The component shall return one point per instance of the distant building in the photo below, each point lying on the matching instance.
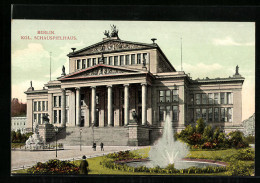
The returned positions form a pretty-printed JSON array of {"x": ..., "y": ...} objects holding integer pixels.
[
  {"x": 18, "y": 123},
  {"x": 111, "y": 79}
]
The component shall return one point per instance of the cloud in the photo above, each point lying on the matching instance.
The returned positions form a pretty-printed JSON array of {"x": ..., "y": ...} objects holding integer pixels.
[{"x": 228, "y": 41}]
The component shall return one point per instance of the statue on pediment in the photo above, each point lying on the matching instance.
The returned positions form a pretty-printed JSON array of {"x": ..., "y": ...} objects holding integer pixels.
[
  {"x": 114, "y": 32},
  {"x": 237, "y": 70},
  {"x": 106, "y": 33}
]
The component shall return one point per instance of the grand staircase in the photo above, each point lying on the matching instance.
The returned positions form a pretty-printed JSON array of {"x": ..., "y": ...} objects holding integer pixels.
[{"x": 110, "y": 136}]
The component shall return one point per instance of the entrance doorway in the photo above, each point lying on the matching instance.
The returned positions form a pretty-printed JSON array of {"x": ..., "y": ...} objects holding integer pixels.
[{"x": 123, "y": 116}]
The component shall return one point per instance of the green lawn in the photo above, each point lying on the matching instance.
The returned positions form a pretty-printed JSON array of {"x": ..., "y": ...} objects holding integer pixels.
[{"x": 96, "y": 168}]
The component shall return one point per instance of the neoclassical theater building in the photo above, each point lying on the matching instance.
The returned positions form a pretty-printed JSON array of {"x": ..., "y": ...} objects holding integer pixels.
[{"x": 109, "y": 81}]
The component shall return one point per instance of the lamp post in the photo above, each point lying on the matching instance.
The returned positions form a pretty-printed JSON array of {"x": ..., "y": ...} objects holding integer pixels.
[
  {"x": 80, "y": 131},
  {"x": 56, "y": 132}
]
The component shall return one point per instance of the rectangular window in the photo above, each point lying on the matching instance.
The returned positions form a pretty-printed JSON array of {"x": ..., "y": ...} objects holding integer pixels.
[
  {"x": 105, "y": 60},
  {"x": 198, "y": 98},
  {"x": 138, "y": 58},
  {"x": 204, "y": 98},
  {"x": 34, "y": 106},
  {"x": 122, "y": 97},
  {"x": 59, "y": 116},
  {"x": 210, "y": 117},
  {"x": 175, "y": 95},
  {"x": 43, "y": 105},
  {"x": 226, "y": 114},
  {"x": 210, "y": 98},
  {"x": 39, "y": 119},
  {"x": 121, "y": 59},
  {"x": 139, "y": 97},
  {"x": 83, "y": 63},
  {"x": 161, "y": 113},
  {"x": 113, "y": 98},
  {"x": 35, "y": 117},
  {"x": 222, "y": 114},
  {"x": 168, "y": 96},
  {"x": 216, "y": 114},
  {"x": 55, "y": 101},
  {"x": 198, "y": 114},
  {"x": 55, "y": 116},
  {"x": 78, "y": 64},
  {"x": 46, "y": 105},
  {"x": 162, "y": 96},
  {"x": 204, "y": 114},
  {"x": 132, "y": 59},
  {"x": 222, "y": 98},
  {"x": 115, "y": 60},
  {"x": 175, "y": 113},
  {"x": 94, "y": 61},
  {"x": 127, "y": 60},
  {"x": 110, "y": 61},
  {"x": 88, "y": 62},
  {"x": 39, "y": 106},
  {"x": 82, "y": 101},
  {"x": 59, "y": 101},
  {"x": 168, "y": 109},
  {"x": 216, "y": 98},
  {"x": 230, "y": 113},
  {"x": 192, "y": 99},
  {"x": 145, "y": 60},
  {"x": 229, "y": 98},
  {"x": 191, "y": 111}
]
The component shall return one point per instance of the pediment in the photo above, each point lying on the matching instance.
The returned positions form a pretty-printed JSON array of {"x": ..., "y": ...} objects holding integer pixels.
[
  {"x": 100, "y": 70},
  {"x": 110, "y": 46}
]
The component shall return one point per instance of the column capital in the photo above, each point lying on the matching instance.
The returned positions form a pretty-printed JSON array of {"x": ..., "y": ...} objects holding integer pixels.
[
  {"x": 109, "y": 86},
  {"x": 93, "y": 87},
  {"x": 126, "y": 84},
  {"x": 63, "y": 89},
  {"x": 77, "y": 88},
  {"x": 144, "y": 84}
]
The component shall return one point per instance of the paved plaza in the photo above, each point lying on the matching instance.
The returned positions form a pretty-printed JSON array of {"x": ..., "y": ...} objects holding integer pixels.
[{"x": 22, "y": 158}]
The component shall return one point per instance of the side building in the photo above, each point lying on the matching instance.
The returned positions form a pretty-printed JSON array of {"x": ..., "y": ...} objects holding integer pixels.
[{"x": 113, "y": 79}]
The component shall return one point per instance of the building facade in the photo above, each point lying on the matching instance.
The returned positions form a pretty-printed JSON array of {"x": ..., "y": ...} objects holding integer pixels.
[
  {"x": 109, "y": 81},
  {"x": 18, "y": 124}
]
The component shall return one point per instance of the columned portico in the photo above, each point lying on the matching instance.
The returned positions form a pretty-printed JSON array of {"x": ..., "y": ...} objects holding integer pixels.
[
  {"x": 63, "y": 107},
  {"x": 144, "y": 112},
  {"x": 78, "y": 108},
  {"x": 93, "y": 105},
  {"x": 109, "y": 105},
  {"x": 126, "y": 98}
]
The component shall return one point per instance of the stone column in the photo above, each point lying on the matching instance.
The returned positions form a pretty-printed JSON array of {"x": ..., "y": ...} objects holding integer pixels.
[
  {"x": 50, "y": 107},
  {"x": 63, "y": 107},
  {"x": 78, "y": 110},
  {"x": 109, "y": 105},
  {"x": 93, "y": 105},
  {"x": 126, "y": 98},
  {"x": 72, "y": 109},
  {"x": 144, "y": 112}
]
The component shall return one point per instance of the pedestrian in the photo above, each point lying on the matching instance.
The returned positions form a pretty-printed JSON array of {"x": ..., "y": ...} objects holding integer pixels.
[
  {"x": 83, "y": 167},
  {"x": 102, "y": 146},
  {"x": 94, "y": 146}
]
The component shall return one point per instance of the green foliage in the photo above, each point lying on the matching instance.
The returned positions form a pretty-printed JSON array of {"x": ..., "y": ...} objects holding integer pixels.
[
  {"x": 239, "y": 168},
  {"x": 250, "y": 139},
  {"x": 237, "y": 139},
  {"x": 17, "y": 137},
  {"x": 122, "y": 155},
  {"x": 243, "y": 154},
  {"x": 207, "y": 133},
  {"x": 54, "y": 166},
  {"x": 200, "y": 126}
]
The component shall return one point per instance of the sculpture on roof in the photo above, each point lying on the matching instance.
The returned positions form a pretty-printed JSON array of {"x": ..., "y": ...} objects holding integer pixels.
[
  {"x": 237, "y": 70},
  {"x": 63, "y": 71},
  {"x": 114, "y": 32},
  {"x": 31, "y": 84}
]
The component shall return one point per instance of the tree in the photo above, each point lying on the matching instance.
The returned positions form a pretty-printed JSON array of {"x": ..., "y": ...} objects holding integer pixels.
[
  {"x": 200, "y": 126},
  {"x": 17, "y": 108}
]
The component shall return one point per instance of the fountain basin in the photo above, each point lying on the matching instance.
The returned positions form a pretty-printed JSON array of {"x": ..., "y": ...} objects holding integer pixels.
[{"x": 183, "y": 164}]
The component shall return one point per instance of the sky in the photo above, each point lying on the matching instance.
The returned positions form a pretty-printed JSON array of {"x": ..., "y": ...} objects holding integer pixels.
[{"x": 209, "y": 49}]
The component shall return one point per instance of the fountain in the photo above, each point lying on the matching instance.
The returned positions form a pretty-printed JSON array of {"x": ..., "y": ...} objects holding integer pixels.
[
  {"x": 168, "y": 151},
  {"x": 35, "y": 141}
]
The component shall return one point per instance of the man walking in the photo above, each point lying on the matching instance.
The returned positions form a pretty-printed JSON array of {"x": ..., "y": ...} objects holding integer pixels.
[
  {"x": 83, "y": 167},
  {"x": 102, "y": 146}
]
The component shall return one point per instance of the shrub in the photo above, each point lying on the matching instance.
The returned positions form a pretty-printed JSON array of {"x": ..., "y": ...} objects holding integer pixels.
[
  {"x": 195, "y": 138},
  {"x": 250, "y": 139},
  {"x": 243, "y": 154},
  {"x": 236, "y": 139},
  {"x": 200, "y": 126},
  {"x": 17, "y": 137},
  {"x": 54, "y": 167},
  {"x": 239, "y": 168}
]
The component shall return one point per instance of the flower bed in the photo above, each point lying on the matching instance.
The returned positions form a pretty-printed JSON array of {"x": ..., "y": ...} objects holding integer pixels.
[{"x": 54, "y": 167}]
